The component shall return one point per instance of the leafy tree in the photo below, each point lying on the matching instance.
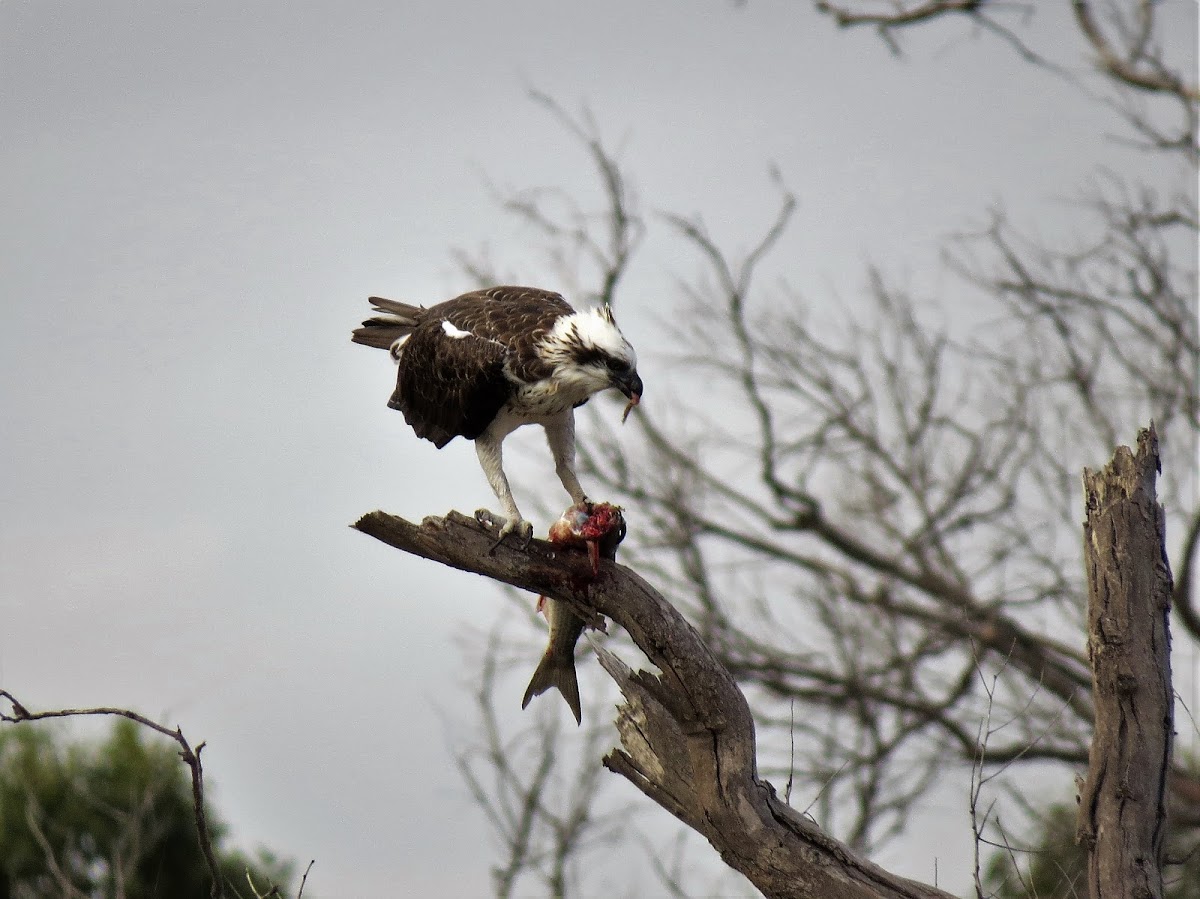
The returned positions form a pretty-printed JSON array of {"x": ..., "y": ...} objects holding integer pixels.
[
  {"x": 1055, "y": 866},
  {"x": 112, "y": 818}
]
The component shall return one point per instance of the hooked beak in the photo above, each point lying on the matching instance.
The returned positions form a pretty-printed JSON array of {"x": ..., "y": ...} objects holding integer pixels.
[{"x": 630, "y": 385}]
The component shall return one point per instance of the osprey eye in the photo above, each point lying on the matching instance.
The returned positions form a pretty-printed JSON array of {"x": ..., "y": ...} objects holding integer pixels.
[{"x": 616, "y": 365}]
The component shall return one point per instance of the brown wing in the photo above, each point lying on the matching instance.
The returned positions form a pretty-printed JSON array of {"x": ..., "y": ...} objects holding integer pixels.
[
  {"x": 518, "y": 317},
  {"x": 449, "y": 386}
]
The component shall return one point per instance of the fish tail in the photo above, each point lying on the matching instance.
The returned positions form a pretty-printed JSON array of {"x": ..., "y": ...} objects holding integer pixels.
[{"x": 553, "y": 671}]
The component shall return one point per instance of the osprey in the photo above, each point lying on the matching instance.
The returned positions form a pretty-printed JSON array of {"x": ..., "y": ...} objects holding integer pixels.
[{"x": 483, "y": 364}]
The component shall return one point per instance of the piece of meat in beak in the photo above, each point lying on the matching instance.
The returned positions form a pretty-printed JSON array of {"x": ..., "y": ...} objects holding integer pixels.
[{"x": 630, "y": 385}]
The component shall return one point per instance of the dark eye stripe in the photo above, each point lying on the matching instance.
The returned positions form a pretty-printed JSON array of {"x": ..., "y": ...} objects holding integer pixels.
[
  {"x": 588, "y": 355},
  {"x": 591, "y": 355}
]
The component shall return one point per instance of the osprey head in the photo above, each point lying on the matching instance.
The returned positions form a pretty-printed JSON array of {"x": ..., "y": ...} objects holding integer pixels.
[{"x": 590, "y": 354}]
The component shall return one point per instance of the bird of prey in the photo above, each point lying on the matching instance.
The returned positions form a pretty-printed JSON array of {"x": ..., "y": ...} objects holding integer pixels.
[{"x": 483, "y": 364}]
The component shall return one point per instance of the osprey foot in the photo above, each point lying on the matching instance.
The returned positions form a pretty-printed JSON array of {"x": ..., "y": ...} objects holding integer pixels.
[{"x": 519, "y": 526}]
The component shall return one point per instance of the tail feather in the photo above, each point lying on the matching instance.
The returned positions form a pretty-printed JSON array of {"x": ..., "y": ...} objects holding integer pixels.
[
  {"x": 405, "y": 311},
  {"x": 558, "y": 673},
  {"x": 381, "y": 332}
]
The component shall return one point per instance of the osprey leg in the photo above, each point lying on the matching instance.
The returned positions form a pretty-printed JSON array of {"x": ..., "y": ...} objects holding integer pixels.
[
  {"x": 560, "y": 434},
  {"x": 490, "y": 450}
]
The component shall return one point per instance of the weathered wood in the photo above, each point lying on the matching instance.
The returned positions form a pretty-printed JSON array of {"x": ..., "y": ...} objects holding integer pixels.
[
  {"x": 1122, "y": 811},
  {"x": 687, "y": 733}
]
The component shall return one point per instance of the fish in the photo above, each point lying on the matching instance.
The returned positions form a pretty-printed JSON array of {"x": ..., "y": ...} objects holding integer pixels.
[
  {"x": 598, "y": 527},
  {"x": 557, "y": 667}
]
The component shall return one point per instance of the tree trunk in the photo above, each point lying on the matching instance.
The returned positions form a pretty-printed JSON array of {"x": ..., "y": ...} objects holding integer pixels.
[{"x": 1122, "y": 811}]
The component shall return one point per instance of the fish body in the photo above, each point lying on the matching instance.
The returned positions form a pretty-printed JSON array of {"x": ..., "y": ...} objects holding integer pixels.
[
  {"x": 557, "y": 667},
  {"x": 598, "y": 527}
]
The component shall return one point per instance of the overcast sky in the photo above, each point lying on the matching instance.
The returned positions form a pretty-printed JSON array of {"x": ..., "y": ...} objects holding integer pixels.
[{"x": 198, "y": 198}]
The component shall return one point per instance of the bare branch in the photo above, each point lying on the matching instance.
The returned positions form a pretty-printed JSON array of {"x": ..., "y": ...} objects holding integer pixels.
[
  {"x": 543, "y": 813},
  {"x": 1135, "y": 67},
  {"x": 1128, "y": 54},
  {"x": 883, "y": 493},
  {"x": 304, "y": 879},
  {"x": 600, "y": 242},
  {"x": 1184, "y": 599},
  {"x": 901, "y": 16},
  {"x": 190, "y": 756}
]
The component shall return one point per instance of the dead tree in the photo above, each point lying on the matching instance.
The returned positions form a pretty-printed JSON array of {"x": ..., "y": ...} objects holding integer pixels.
[
  {"x": 1123, "y": 803},
  {"x": 894, "y": 511},
  {"x": 688, "y": 736}
]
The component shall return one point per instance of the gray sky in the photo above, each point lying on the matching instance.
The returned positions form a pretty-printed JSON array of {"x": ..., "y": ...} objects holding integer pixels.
[{"x": 197, "y": 200}]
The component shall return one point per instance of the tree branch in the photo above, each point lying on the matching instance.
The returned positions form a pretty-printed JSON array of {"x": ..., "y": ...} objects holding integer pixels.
[
  {"x": 190, "y": 756},
  {"x": 914, "y": 15},
  {"x": 687, "y": 734},
  {"x": 1154, "y": 77},
  {"x": 1184, "y": 599}
]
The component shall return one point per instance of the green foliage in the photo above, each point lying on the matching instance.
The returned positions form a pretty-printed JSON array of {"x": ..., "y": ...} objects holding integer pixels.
[
  {"x": 108, "y": 818},
  {"x": 1057, "y": 868}
]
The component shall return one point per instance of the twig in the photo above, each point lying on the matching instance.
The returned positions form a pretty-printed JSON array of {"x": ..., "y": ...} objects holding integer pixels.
[
  {"x": 304, "y": 879},
  {"x": 190, "y": 756}
]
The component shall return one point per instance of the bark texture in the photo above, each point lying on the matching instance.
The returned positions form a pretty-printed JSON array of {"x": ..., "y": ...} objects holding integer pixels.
[
  {"x": 1122, "y": 811},
  {"x": 687, "y": 735}
]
